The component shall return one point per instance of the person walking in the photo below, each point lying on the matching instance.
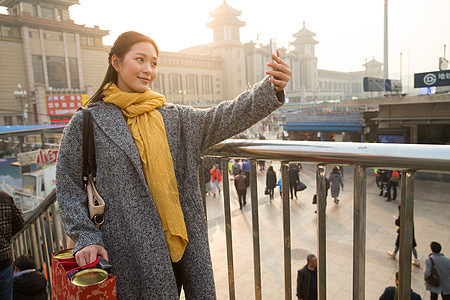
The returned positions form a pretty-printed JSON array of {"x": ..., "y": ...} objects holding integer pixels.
[
  {"x": 336, "y": 183},
  {"x": 246, "y": 170},
  {"x": 29, "y": 283},
  {"x": 383, "y": 178},
  {"x": 216, "y": 178},
  {"x": 240, "y": 183},
  {"x": 236, "y": 167},
  {"x": 271, "y": 182},
  {"x": 307, "y": 279},
  {"x": 442, "y": 264},
  {"x": 394, "y": 177},
  {"x": 294, "y": 179},
  {"x": 11, "y": 222},
  {"x": 147, "y": 153},
  {"x": 393, "y": 254},
  {"x": 391, "y": 292}
]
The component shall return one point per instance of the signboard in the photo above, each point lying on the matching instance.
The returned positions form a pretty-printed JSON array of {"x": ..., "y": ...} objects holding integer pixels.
[
  {"x": 39, "y": 157},
  {"x": 392, "y": 85},
  {"x": 63, "y": 105},
  {"x": 372, "y": 84},
  {"x": 440, "y": 78}
]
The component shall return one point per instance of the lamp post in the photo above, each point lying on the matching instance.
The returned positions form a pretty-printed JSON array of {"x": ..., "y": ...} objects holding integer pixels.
[{"x": 21, "y": 95}]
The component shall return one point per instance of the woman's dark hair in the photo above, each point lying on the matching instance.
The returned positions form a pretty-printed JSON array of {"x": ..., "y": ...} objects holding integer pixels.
[
  {"x": 24, "y": 262},
  {"x": 121, "y": 47},
  {"x": 270, "y": 169},
  {"x": 335, "y": 169}
]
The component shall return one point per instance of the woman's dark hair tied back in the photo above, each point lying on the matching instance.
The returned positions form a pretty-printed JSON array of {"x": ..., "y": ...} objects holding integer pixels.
[{"x": 121, "y": 46}]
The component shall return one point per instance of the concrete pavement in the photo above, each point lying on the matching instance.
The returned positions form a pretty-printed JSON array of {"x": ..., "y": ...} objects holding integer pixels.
[{"x": 432, "y": 222}]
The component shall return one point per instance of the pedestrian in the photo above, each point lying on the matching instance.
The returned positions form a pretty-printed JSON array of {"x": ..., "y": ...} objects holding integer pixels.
[
  {"x": 216, "y": 178},
  {"x": 377, "y": 177},
  {"x": 442, "y": 264},
  {"x": 307, "y": 279},
  {"x": 246, "y": 170},
  {"x": 394, "y": 177},
  {"x": 393, "y": 254},
  {"x": 240, "y": 183},
  {"x": 271, "y": 182},
  {"x": 391, "y": 292},
  {"x": 29, "y": 283},
  {"x": 147, "y": 153},
  {"x": 383, "y": 178},
  {"x": 280, "y": 184},
  {"x": 262, "y": 165},
  {"x": 294, "y": 179},
  {"x": 236, "y": 167},
  {"x": 336, "y": 183},
  {"x": 11, "y": 222}
]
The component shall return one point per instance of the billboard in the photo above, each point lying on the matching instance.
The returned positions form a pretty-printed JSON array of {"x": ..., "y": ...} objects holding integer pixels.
[
  {"x": 439, "y": 78},
  {"x": 63, "y": 105},
  {"x": 372, "y": 84}
]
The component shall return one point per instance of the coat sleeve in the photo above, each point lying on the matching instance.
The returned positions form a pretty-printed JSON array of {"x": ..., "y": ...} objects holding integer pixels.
[
  {"x": 300, "y": 280},
  {"x": 427, "y": 270},
  {"x": 72, "y": 198},
  {"x": 211, "y": 126},
  {"x": 17, "y": 219}
]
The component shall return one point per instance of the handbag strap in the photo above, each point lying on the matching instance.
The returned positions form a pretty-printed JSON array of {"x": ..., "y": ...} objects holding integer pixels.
[{"x": 89, "y": 161}]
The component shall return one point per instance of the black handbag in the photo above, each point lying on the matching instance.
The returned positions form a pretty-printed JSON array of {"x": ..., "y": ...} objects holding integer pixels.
[
  {"x": 266, "y": 191},
  {"x": 300, "y": 186},
  {"x": 433, "y": 278}
]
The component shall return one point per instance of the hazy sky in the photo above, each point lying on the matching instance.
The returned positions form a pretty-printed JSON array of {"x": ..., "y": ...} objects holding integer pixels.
[{"x": 348, "y": 31}]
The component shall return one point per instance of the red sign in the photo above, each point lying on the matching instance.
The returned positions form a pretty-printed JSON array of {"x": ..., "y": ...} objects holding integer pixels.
[
  {"x": 46, "y": 157},
  {"x": 63, "y": 105}
]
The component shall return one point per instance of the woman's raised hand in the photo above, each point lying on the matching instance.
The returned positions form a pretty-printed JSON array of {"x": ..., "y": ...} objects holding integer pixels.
[
  {"x": 89, "y": 254},
  {"x": 280, "y": 72}
]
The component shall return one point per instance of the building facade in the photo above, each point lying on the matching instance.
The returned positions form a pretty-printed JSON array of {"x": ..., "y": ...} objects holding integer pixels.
[{"x": 59, "y": 64}]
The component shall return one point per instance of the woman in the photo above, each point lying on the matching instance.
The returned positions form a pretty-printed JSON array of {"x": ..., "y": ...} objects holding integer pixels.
[
  {"x": 216, "y": 178},
  {"x": 147, "y": 154},
  {"x": 271, "y": 182},
  {"x": 336, "y": 183}
]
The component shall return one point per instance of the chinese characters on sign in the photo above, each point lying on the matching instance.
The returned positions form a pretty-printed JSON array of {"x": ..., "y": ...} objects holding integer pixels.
[
  {"x": 63, "y": 105},
  {"x": 441, "y": 78}
]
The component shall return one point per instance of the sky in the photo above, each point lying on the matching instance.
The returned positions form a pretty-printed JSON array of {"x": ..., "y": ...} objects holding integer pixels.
[{"x": 348, "y": 31}]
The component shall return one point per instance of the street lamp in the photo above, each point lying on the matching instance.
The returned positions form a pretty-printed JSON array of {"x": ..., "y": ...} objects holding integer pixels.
[{"x": 22, "y": 95}]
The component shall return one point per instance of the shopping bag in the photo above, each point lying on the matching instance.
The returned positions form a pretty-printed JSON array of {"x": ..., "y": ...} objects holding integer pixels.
[
  {"x": 300, "y": 186},
  {"x": 63, "y": 288}
]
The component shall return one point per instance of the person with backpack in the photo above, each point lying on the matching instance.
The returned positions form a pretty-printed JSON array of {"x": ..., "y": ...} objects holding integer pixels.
[
  {"x": 394, "y": 178},
  {"x": 240, "y": 183},
  {"x": 442, "y": 264}
]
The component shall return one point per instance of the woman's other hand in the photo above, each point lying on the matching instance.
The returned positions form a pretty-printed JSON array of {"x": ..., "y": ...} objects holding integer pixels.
[
  {"x": 89, "y": 254},
  {"x": 280, "y": 76}
]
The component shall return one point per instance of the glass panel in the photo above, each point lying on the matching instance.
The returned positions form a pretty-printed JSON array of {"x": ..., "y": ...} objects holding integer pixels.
[
  {"x": 56, "y": 72},
  {"x": 73, "y": 69}
]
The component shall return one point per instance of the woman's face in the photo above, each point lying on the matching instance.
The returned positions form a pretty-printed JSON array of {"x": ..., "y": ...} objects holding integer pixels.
[{"x": 137, "y": 70}]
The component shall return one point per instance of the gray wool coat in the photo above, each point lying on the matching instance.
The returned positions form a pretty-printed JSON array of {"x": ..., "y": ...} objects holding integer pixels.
[
  {"x": 132, "y": 232},
  {"x": 443, "y": 268}
]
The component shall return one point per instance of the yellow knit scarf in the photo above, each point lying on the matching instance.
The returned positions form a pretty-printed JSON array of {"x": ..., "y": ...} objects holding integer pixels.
[{"x": 147, "y": 128}]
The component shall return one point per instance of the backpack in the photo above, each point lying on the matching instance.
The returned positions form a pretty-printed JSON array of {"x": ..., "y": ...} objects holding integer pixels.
[
  {"x": 433, "y": 278},
  {"x": 395, "y": 176}
]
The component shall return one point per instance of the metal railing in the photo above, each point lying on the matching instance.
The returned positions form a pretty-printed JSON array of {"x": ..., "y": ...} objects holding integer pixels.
[{"x": 44, "y": 234}]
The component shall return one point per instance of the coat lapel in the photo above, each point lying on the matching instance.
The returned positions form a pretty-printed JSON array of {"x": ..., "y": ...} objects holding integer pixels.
[{"x": 111, "y": 121}]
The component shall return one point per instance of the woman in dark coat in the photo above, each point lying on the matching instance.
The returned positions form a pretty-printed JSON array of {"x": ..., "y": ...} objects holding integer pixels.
[
  {"x": 336, "y": 182},
  {"x": 271, "y": 181},
  {"x": 139, "y": 140}
]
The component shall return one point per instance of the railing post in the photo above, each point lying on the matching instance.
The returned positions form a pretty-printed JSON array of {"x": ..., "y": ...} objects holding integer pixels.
[
  {"x": 286, "y": 231},
  {"x": 255, "y": 223},
  {"x": 359, "y": 232},
  {"x": 406, "y": 234},
  {"x": 321, "y": 233},
  {"x": 228, "y": 231}
]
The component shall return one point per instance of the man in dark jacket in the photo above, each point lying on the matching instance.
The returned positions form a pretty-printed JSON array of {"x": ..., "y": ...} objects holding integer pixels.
[
  {"x": 28, "y": 282},
  {"x": 307, "y": 279},
  {"x": 293, "y": 179},
  {"x": 11, "y": 222},
  {"x": 240, "y": 183},
  {"x": 391, "y": 292}
]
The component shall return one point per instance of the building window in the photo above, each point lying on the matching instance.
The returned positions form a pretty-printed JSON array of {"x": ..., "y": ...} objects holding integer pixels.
[
  {"x": 73, "y": 69},
  {"x": 56, "y": 72},
  {"x": 207, "y": 83},
  {"x": 90, "y": 41},
  {"x": 38, "y": 69},
  {"x": 6, "y": 31},
  {"x": 47, "y": 13},
  {"x": 53, "y": 35},
  {"x": 191, "y": 84},
  {"x": 7, "y": 120},
  {"x": 158, "y": 84},
  {"x": 58, "y": 15},
  {"x": 175, "y": 84},
  {"x": 83, "y": 40}
]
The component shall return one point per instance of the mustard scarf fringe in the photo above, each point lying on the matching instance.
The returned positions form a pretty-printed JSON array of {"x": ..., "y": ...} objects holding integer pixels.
[{"x": 147, "y": 128}]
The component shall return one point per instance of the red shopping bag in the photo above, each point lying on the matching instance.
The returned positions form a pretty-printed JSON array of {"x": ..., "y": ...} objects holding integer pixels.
[{"x": 63, "y": 269}]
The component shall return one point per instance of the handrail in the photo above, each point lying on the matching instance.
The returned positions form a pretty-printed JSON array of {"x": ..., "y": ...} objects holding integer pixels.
[{"x": 399, "y": 156}]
